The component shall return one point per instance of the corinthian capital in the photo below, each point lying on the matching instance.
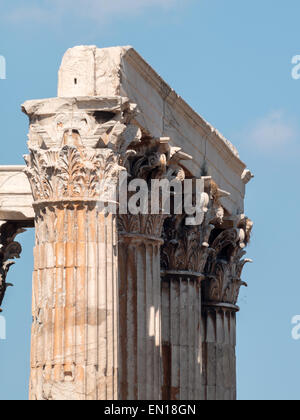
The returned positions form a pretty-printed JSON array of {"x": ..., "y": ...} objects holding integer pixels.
[
  {"x": 225, "y": 263},
  {"x": 77, "y": 144},
  {"x": 153, "y": 159},
  {"x": 70, "y": 172},
  {"x": 186, "y": 247}
]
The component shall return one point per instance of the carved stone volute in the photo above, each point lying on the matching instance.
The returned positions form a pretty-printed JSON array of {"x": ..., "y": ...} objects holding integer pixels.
[
  {"x": 77, "y": 146},
  {"x": 186, "y": 248},
  {"x": 151, "y": 159},
  {"x": 225, "y": 263}
]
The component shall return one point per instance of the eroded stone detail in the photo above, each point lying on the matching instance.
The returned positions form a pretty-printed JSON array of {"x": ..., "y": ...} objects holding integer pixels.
[
  {"x": 78, "y": 149},
  {"x": 9, "y": 250},
  {"x": 139, "y": 272},
  {"x": 77, "y": 153},
  {"x": 88, "y": 121},
  {"x": 186, "y": 248},
  {"x": 107, "y": 324},
  {"x": 152, "y": 159},
  {"x": 220, "y": 291},
  {"x": 71, "y": 173},
  {"x": 183, "y": 258},
  {"x": 225, "y": 263}
]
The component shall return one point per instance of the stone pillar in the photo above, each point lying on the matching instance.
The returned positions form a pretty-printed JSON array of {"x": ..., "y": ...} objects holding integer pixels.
[
  {"x": 74, "y": 347},
  {"x": 184, "y": 256},
  {"x": 96, "y": 284},
  {"x": 140, "y": 240},
  {"x": 218, "y": 352},
  {"x": 140, "y": 323},
  {"x": 219, "y": 295},
  {"x": 73, "y": 163},
  {"x": 181, "y": 340}
]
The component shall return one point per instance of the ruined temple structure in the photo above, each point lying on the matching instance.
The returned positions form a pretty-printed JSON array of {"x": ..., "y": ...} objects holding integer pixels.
[{"x": 125, "y": 307}]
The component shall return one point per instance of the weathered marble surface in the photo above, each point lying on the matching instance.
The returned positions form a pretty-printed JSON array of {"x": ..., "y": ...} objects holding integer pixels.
[
  {"x": 15, "y": 194},
  {"x": 124, "y": 306},
  {"x": 92, "y": 71},
  {"x": 96, "y": 286}
]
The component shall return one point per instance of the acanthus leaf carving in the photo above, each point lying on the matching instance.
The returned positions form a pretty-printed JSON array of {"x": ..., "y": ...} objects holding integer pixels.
[
  {"x": 151, "y": 159},
  {"x": 225, "y": 264},
  {"x": 186, "y": 247},
  {"x": 70, "y": 172},
  {"x": 77, "y": 152}
]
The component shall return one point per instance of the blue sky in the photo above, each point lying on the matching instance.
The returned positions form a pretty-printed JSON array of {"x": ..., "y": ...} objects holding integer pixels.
[{"x": 229, "y": 59}]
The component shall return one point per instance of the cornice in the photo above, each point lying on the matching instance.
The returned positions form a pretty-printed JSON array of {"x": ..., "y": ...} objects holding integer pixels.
[{"x": 218, "y": 141}]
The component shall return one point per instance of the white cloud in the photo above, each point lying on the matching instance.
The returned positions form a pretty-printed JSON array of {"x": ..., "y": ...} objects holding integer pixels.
[
  {"x": 96, "y": 10},
  {"x": 272, "y": 133}
]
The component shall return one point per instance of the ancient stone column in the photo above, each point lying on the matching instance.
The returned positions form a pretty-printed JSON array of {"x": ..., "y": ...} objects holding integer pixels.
[
  {"x": 181, "y": 315},
  {"x": 219, "y": 298},
  {"x": 140, "y": 240},
  {"x": 96, "y": 284},
  {"x": 118, "y": 296},
  {"x": 184, "y": 256},
  {"x": 140, "y": 306},
  {"x": 73, "y": 164}
]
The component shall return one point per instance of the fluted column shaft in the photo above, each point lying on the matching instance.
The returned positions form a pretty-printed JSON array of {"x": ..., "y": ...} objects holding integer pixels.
[
  {"x": 181, "y": 335},
  {"x": 74, "y": 346},
  {"x": 140, "y": 317},
  {"x": 96, "y": 288},
  {"x": 218, "y": 352},
  {"x": 220, "y": 293}
]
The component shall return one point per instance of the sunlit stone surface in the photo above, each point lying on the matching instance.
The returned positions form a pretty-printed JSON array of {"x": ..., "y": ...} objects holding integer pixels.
[{"x": 126, "y": 307}]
